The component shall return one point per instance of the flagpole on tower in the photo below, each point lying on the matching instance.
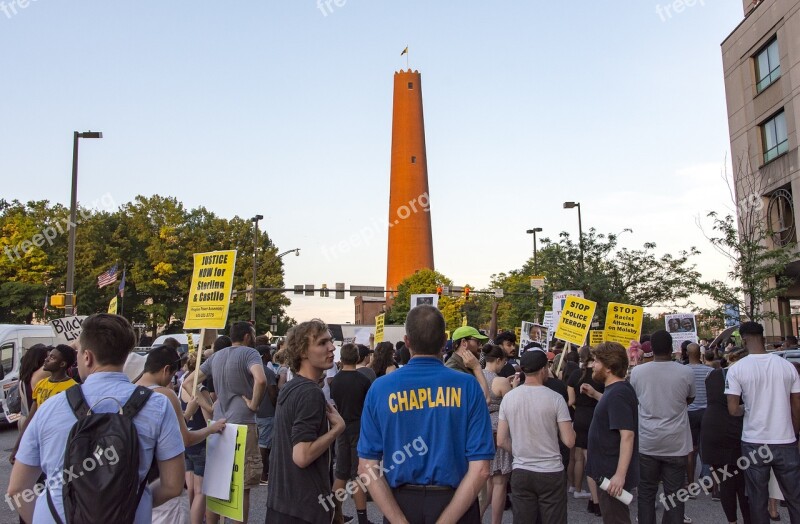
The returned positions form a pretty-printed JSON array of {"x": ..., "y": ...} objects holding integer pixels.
[{"x": 405, "y": 52}]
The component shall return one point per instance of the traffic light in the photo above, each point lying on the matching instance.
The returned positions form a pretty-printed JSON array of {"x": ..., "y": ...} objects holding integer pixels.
[
  {"x": 466, "y": 292},
  {"x": 439, "y": 291}
]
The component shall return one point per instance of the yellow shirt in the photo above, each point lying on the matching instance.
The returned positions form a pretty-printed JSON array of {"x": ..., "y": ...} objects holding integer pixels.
[{"x": 45, "y": 389}]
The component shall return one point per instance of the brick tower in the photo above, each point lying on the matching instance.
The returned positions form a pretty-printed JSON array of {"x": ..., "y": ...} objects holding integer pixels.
[{"x": 410, "y": 236}]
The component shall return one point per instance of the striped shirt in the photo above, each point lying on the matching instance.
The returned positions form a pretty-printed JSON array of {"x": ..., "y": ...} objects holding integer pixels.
[{"x": 700, "y": 371}]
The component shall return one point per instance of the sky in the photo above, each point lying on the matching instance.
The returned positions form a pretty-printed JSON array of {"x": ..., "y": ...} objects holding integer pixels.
[{"x": 283, "y": 108}]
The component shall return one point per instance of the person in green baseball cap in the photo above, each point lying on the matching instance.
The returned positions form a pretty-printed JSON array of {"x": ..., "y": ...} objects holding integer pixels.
[{"x": 467, "y": 343}]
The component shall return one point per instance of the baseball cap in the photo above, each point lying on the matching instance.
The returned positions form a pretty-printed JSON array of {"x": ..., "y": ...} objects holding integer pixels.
[
  {"x": 647, "y": 350},
  {"x": 532, "y": 361},
  {"x": 364, "y": 352},
  {"x": 468, "y": 331}
]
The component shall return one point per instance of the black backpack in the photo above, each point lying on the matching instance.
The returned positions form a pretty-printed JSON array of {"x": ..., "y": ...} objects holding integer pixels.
[{"x": 95, "y": 490}]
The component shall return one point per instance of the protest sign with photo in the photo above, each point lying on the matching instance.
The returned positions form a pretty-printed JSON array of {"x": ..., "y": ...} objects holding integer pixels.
[
  {"x": 532, "y": 332},
  {"x": 419, "y": 300},
  {"x": 682, "y": 326}
]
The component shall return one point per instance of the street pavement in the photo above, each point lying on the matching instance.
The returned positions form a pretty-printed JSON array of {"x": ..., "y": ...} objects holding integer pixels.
[{"x": 701, "y": 511}]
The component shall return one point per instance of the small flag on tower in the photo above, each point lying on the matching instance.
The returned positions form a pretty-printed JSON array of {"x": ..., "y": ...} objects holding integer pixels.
[
  {"x": 405, "y": 51},
  {"x": 108, "y": 277}
]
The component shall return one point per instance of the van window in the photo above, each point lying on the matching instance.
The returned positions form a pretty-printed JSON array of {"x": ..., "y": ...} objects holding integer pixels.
[{"x": 7, "y": 358}]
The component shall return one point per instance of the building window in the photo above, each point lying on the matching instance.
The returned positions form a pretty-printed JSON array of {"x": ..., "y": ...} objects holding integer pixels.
[
  {"x": 768, "y": 66},
  {"x": 774, "y": 137},
  {"x": 413, "y": 160},
  {"x": 411, "y": 85}
]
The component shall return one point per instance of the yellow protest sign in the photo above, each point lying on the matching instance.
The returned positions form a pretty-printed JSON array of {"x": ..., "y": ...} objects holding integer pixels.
[
  {"x": 379, "y": 320},
  {"x": 233, "y": 508},
  {"x": 575, "y": 320},
  {"x": 464, "y": 321},
  {"x": 190, "y": 342},
  {"x": 595, "y": 337},
  {"x": 112, "y": 306},
  {"x": 623, "y": 323},
  {"x": 210, "y": 292}
]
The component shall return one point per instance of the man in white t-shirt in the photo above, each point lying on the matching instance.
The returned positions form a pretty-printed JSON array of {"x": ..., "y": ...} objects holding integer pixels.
[
  {"x": 532, "y": 418},
  {"x": 770, "y": 388}
]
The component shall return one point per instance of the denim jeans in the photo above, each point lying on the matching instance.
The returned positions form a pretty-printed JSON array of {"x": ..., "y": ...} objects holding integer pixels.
[
  {"x": 784, "y": 460},
  {"x": 672, "y": 472}
]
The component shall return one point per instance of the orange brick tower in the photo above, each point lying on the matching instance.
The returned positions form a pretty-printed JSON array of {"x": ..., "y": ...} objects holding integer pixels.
[{"x": 410, "y": 236}]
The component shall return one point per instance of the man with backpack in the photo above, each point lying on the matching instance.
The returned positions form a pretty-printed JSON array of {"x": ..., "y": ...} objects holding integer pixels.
[{"x": 96, "y": 459}]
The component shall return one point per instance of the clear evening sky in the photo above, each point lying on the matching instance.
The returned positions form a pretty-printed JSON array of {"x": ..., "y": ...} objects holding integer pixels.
[{"x": 283, "y": 108}]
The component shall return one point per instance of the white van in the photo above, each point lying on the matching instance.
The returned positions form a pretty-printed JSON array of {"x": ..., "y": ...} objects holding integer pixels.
[{"x": 14, "y": 341}]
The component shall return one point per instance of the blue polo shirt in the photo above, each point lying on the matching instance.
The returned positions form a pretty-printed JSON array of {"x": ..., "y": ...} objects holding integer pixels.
[
  {"x": 426, "y": 422},
  {"x": 45, "y": 440}
]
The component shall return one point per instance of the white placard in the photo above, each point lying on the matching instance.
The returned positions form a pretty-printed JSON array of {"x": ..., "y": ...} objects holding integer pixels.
[
  {"x": 418, "y": 300},
  {"x": 682, "y": 326},
  {"x": 67, "y": 329},
  {"x": 220, "y": 448}
]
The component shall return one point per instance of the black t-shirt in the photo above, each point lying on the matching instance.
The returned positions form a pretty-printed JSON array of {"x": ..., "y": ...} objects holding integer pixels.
[
  {"x": 557, "y": 386},
  {"x": 617, "y": 410},
  {"x": 300, "y": 416},
  {"x": 348, "y": 391},
  {"x": 507, "y": 371},
  {"x": 575, "y": 382}
]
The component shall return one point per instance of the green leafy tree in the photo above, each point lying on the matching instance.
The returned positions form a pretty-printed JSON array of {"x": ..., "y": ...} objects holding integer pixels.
[
  {"x": 757, "y": 249},
  {"x": 424, "y": 281}
]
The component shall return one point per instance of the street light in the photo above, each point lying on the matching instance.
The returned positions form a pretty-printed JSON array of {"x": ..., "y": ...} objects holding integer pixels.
[
  {"x": 254, "y": 220},
  {"x": 570, "y": 205},
  {"x": 533, "y": 232},
  {"x": 296, "y": 252},
  {"x": 69, "y": 298}
]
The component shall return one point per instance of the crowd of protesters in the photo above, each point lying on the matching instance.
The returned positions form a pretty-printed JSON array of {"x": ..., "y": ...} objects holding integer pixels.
[{"x": 430, "y": 429}]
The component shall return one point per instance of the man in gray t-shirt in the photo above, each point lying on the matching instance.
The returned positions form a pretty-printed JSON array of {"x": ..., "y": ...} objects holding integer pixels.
[
  {"x": 664, "y": 389},
  {"x": 240, "y": 383}
]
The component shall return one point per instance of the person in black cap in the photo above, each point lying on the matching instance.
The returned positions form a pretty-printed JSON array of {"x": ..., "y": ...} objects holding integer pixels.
[
  {"x": 364, "y": 357},
  {"x": 538, "y": 478}
]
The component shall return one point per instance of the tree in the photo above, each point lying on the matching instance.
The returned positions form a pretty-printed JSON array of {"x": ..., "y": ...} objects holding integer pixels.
[
  {"x": 611, "y": 274},
  {"x": 424, "y": 281},
  {"x": 758, "y": 250}
]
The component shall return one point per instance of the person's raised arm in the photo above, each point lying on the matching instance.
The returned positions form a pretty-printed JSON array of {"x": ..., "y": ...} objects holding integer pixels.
[
  {"x": 467, "y": 492},
  {"x": 188, "y": 382},
  {"x": 190, "y": 438}
]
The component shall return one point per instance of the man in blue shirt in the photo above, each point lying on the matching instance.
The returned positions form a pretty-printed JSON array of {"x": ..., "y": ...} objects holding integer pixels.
[
  {"x": 431, "y": 427},
  {"x": 105, "y": 342}
]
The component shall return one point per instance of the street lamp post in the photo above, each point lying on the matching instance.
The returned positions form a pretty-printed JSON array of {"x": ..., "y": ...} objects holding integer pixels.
[
  {"x": 69, "y": 295},
  {"x": 570, "y": 205},
  {"x": 533, "y": 232},
  {"x": 296, "y": 252},
  {"x": 254, "y": 220}
]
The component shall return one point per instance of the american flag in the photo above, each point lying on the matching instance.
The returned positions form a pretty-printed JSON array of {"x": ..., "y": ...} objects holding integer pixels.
[{"x": 109, "y": 277}]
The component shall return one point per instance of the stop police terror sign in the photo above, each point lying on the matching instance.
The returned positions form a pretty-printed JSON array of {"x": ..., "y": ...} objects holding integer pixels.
[{"x": 575, "y": 320}]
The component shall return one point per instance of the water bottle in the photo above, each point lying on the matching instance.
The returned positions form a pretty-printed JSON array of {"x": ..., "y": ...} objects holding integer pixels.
[{"x": 625, "y": 497}]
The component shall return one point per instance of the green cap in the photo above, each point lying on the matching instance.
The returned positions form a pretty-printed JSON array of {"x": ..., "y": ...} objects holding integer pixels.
[{"x": 467, "y": 331}]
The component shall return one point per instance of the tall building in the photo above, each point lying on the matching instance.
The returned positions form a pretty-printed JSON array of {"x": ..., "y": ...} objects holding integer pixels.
[
  {"x": 762, "y": 83},
  {"x": 410, "y": 235}
]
